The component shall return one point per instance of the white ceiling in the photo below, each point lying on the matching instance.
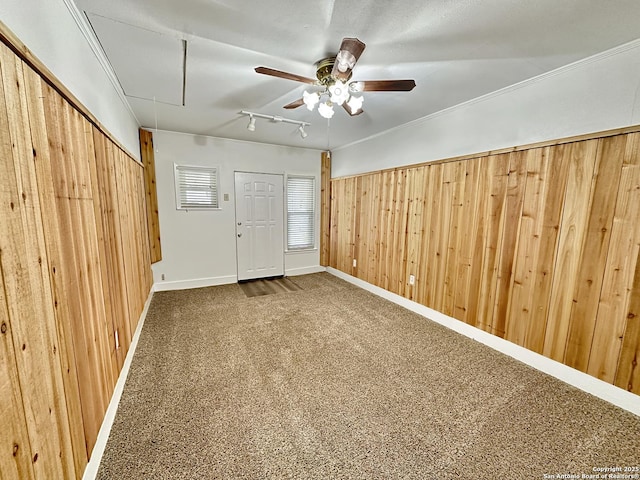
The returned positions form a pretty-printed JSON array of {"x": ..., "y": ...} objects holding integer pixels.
[{"x": 455, "y": 50}]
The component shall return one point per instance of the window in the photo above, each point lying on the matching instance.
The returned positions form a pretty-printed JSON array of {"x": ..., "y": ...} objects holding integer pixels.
[
  {"x": 196, "y": 187},
  {"x": 301, "y": 213}
]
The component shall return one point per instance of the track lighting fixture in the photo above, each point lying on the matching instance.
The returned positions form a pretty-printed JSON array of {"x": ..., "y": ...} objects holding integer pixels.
[
  {"x": 276, "y": 119},
  {"x": 252, "y": 124}
]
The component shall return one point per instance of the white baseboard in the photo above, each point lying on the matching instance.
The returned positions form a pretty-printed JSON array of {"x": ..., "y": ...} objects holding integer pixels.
[
  {"x": 91, "y": 469},
  {"x": 194, "y": 283},
  {"x": 292, "y": 272},
  {"x": 578, "y": 379}
]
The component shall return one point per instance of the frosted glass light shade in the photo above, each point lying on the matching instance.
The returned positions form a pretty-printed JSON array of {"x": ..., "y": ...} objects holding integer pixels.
[
  {"x": 310, "y": 99},
  {"x": 326, "y": 110}
]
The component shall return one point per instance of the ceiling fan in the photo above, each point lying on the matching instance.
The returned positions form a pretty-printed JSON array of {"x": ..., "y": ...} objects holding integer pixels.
[{"x": 334, "y": 77}]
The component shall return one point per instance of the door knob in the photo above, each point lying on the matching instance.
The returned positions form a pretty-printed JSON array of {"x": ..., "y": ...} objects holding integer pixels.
[{"x": 239, "y": 235}]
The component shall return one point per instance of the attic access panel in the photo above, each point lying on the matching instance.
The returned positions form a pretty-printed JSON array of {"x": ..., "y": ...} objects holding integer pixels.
[{"x": 148, "y": 64}]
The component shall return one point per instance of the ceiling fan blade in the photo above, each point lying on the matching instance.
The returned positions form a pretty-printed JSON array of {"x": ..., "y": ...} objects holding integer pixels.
[
  {"x": 281, "y": 74},
  {"x": 296, "y": 104},
  {"x": 347, "y": 108},
  {"x": 346, "y": 58},
  {"x": 387, "y": 85}
]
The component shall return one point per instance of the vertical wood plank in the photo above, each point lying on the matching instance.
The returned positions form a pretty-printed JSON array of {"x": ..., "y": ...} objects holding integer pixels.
[
  {"x": 73, "y": 247},
  {"x": 590, "y": 274},
  {"x": 533, "y": 269},
  {"x": 509, "y": 233},
  {"x": 467, "y": 253},
  {"x": 455, "y": 228},
  {"x": 26, "y": 286},
  {"x": 431, "y": 280},
  {"x": 573, "y": 224},
  {"x": 147, "y": 156},
  {"x": 15, "y": 451},
  {"x": 618, "y": 279},
  {"x": 325, "y": 207},
  {"x": 628, "y": 372},
  {"x": 37, "y": 92},
  {"x": 415, "y": 229}
]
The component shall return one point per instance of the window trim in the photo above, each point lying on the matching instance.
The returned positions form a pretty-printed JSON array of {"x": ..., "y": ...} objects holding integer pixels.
[
  {"x": 203, "y": 168},
  {"x": 314, "y": 247}
]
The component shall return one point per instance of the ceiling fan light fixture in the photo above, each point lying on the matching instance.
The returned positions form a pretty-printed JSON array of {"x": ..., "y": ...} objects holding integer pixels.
[
  {"x": 355, "y": 104},
  {"x": 252, "y": 124},
  {"x": 326, "y": 110},
  {"x": 310, "y": 99},
  {"x": 339, "y": 92},
  {"x": 345, "y": 60}
]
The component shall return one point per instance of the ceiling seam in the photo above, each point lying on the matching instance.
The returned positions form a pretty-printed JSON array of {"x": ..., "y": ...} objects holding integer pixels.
[{"x": 87, "y": 31}]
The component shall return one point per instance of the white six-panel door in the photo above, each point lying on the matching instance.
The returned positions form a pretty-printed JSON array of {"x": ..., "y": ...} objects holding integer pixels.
[{"x": 259, "y": 225}]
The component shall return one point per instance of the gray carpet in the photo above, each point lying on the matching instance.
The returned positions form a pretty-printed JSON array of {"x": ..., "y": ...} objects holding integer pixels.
[{"x": 333, "y": 382}]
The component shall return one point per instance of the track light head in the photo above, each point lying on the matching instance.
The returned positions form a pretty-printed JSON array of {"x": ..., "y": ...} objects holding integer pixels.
[
  {"x": 252, "y": 124},
  {"x": 303, "y": 134}
]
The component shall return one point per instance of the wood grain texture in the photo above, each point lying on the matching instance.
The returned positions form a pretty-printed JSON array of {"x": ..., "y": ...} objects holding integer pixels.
[
  {"x": 325, "y": 207},
  {"x": 64, "y": 291},
  {"x": 38, "y": 94},
  {"x": 590, "y": 275},
  {"x": 539, "y": 246},
  {"x": 617, "y": 284},
  {"x": 23, "y": 262},
  {"x": 147, "y": 156}
]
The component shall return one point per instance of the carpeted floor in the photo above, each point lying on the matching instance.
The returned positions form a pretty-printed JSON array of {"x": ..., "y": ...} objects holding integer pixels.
[{"x": 333, "y": 382}]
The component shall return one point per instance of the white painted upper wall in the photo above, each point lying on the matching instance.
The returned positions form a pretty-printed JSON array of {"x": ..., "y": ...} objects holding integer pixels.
[
  {"x": 49, "y": 30},
  {"x": 599, "y": 93},
  {"x": 199, "y": 247}
]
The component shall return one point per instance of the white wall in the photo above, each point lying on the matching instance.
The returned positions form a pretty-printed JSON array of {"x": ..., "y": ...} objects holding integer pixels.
[
  {"x": 48, "y": 29},
  {"x": 199, "y": 247},
  {"x": 596, "y": 94}
]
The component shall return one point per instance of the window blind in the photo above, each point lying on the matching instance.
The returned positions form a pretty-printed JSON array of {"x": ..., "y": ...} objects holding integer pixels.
[
  {"x": 300, "y": 213},
  {"x": 196, "y": 187}
]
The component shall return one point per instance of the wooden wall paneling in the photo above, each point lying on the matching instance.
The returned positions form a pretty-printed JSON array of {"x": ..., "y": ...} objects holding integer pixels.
[
  {"x": 492, "y": 219},
  {"x": 383, "y": 219},
  {"x": 590, "y": 274},
  {"x": 581, "y": 159},
  {"x": 325, "y": 207},
  {"x": 369, "y": 204},
  {"x": 509, "y": 240},
  {"x": 147, "y": 156},
  {"x": 477, "y": 237},
  {"x": 467, "y": 253},
  {"x": 15, "y": 451},
  {"x": 142, "y": 239},
  {"x": 38, "y": 94},
  {"x": 445, "y": 206},
  {"x": 535, "y": 252},
  {"x": 357, "y": 220},
  {"x": 75, "y": 267},
  {"x": 399, "y": 232},
  {"x": 423, "y": 280},
  {"x": 126, "y": 227},
  {"x": 455, "y": 227},
  {"x": 434, "y": 208},
  {"x": 87, "y": 279},
  {"x": 111, "y": 252},
  {"x": 618, "y": 279},
  {"x": 334, "y": 186},
  {"x": 415, "y": 229},
  {"x": 628, "y": 371},
  {"x": 15, "y": 459},
  {"x": 26, "y": 285}
]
